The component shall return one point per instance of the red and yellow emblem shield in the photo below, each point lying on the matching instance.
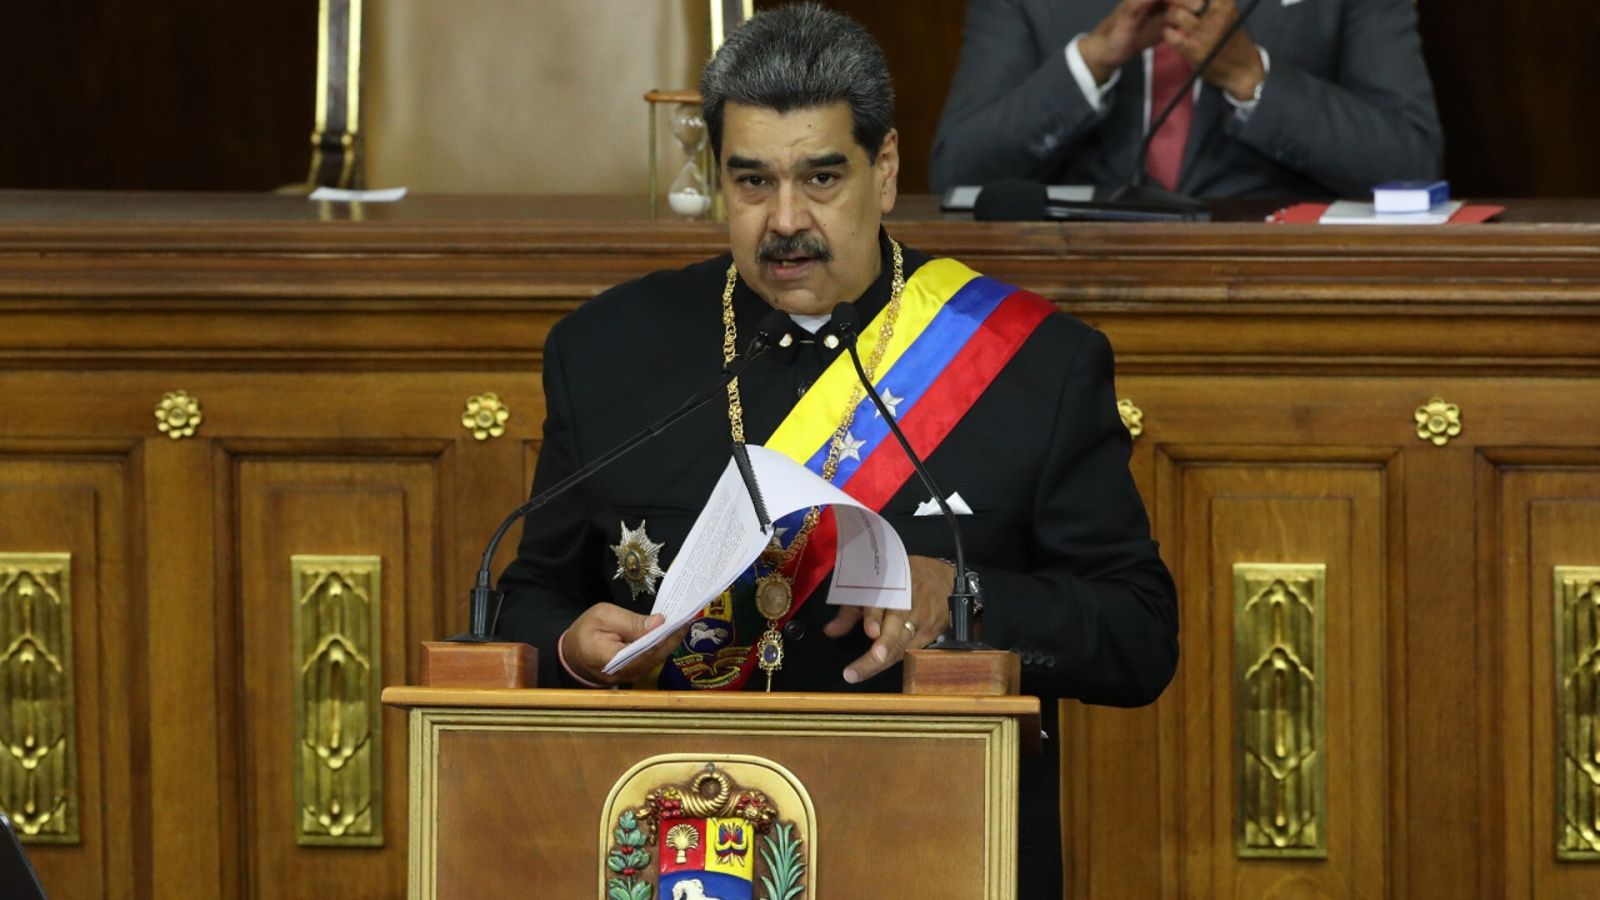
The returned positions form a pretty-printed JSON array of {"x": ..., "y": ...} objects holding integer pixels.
[{"x": 707, "y": 837}]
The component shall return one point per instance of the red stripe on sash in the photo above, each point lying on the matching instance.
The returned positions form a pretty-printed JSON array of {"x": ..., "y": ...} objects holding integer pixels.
[{"x": 950, "y": 396}]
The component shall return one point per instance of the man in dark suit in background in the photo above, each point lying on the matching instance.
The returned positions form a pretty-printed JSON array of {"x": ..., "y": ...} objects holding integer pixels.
[{"x": 1311, "y": 98}]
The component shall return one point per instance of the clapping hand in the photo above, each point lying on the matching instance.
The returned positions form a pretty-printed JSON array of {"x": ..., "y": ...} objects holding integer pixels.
[
  {"x": 1193, "y": 27},
  {"x": 1130, "y": 29}
]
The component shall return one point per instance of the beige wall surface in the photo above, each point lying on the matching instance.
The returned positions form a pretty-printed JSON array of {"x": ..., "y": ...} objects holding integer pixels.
[{"x": 535, "y": 96}]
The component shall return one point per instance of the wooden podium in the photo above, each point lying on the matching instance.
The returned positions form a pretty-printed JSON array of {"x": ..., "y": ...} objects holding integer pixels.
[{"x": 519, "y": 792}]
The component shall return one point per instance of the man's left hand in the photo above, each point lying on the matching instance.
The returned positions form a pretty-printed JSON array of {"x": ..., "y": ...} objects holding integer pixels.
[
  {"x": 1193, "y": 28},
  {"x": 929, "y": 615}
]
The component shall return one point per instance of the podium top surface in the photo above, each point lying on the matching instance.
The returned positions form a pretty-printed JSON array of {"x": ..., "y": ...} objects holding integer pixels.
[{"x": 713, "y": 701}]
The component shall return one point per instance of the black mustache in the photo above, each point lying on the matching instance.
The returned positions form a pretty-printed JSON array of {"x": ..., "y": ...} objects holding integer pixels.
[{"x": 784, "y": 246}]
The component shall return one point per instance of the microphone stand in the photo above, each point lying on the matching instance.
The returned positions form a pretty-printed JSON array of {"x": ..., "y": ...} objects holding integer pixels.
[
  {"x": 1138, "y": 190},
  {"x": 483, "y": 594},
  {"x": 965, "y": 594}
]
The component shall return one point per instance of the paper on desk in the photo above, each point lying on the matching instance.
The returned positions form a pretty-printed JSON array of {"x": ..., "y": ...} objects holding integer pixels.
[
  {"x": 1352, "y": 212},
  {"x": 340, "y": 195},
  {"x": 870, "y": 565}
]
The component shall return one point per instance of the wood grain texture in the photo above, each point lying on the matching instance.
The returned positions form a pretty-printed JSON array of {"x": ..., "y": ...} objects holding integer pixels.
[
  {"x": 305, "y": 505},
  {"x": 1542, "y": 510},
  {"x": 546, "y": 828},
  {"x": 1270, "y": 513},
  {"x": 988, "y": 672},
  {"x": 493, "y": 665},
  {"x": 75, "y": 500},
  {"x": 333, "y": 349},
  {"x": 1515, "y": 128},
  {"x": 407, "y": 696}
]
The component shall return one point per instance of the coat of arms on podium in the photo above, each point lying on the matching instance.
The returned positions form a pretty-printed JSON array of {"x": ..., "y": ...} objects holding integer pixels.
[{"x": 719, "y": 827}]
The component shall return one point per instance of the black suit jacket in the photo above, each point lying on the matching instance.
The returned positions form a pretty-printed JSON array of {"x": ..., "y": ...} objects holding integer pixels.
[
  {"x": 1346, "y": 105},
  {"x": 1058, "y": 534}
]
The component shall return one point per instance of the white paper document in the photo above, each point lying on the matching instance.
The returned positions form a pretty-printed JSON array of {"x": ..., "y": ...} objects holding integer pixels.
[
  {"x": 870, "y": 566},
  {"x": 340, "y": 195},
  {"x": 1354, "y": 212}
]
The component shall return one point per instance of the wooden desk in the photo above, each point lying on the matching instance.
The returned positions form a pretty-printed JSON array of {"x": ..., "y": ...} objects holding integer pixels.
[
  {"x": 1276, "y": 371},
  {"x": 509, "y": 787}
]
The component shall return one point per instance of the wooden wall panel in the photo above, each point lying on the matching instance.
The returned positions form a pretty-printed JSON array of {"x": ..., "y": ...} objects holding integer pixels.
[
  {"x": 1278, "y": 368},
  {"x": 1117, "y": 797},
  {"x": 171, "y": 94},
  {"x": 384, "y": 506},
  {"x": 1524, "y": 126},
  {"x": 1236, "y": 509},
  {"x": 1547, "y": 515},
  {"x": 75, "y": 501}
]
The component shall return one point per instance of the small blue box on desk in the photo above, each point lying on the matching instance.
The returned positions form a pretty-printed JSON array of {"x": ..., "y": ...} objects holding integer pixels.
[{"x": 1409, "y": 196}]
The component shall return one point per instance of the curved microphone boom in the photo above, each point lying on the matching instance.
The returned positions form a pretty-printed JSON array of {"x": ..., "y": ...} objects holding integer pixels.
[
  {"x": 483, "y": 593},
  {"x": 965, "y": 594}
]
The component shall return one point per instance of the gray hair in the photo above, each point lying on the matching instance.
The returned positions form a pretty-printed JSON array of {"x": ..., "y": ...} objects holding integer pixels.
[{"x": 800, "y": 57}]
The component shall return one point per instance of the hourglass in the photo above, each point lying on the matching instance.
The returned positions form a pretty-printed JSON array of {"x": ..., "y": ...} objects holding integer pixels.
[
  {"x": 693, "y": 193},
  {"x": 690, "y": 194}
]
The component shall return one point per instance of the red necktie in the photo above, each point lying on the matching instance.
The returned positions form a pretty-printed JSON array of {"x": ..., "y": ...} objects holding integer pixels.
[{"x": 1167, "y": 74}]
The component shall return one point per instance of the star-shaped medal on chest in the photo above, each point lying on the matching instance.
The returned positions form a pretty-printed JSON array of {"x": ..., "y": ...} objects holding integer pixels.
[{"x": 638, "y": 560}]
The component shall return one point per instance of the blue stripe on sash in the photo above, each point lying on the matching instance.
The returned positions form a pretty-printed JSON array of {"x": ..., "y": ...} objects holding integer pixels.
[{"x": 919, "y": 367}]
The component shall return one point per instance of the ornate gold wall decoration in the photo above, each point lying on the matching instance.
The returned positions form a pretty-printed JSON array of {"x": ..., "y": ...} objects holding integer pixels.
[
  {"x": 1132, "y": 418},
  {"x": 1577, "y": 607},
  {"x": 38, "y": 778},
  {"x": 485, "y": 416},
  {"x": 178, "y": 415},
  {"x": 1278, "y": 659},
  {"x": 1438, "y": 421},
  {"x": 338, "y": 725}
]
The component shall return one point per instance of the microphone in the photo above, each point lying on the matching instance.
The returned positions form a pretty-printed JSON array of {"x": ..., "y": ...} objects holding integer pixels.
[
  {"x": 1020, "y": 200},
  {"x": 771, "y": 327},
  {"x": 1008, "y": 200},
  {"x": 1136, "y": 190},
  {"x": 965, "y": 595}
]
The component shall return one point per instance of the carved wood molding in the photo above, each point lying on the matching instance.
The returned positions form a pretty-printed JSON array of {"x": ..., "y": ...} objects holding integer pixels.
[{"x": 445, "y": 275}]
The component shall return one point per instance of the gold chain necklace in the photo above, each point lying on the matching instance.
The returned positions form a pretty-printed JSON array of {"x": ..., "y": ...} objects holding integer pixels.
[{"x": 775, "y": 590}]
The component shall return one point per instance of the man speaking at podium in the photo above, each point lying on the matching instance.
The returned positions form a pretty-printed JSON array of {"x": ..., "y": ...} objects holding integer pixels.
[{"x": 1009, "y": 400}]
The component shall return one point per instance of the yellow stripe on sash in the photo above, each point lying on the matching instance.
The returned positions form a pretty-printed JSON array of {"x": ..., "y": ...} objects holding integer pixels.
[{"x": 813, "y": 420}]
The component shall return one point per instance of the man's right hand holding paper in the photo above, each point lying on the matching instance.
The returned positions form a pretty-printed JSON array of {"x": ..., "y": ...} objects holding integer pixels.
[{"x": 603, "y": 630}]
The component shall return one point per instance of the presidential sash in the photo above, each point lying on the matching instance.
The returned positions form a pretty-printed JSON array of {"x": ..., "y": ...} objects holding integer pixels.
[{"x": 956, "y": 331}]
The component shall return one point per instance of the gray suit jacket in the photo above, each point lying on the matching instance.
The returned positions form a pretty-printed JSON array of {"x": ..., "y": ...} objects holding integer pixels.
[{"x": 1347, "y": 104}]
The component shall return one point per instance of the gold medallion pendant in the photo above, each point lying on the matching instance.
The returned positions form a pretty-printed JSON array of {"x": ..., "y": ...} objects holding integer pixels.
[
  {"x": 775, "y": 591},
  {"x": 774, "y": 596},
  {"x": 769, "y": 652}
]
